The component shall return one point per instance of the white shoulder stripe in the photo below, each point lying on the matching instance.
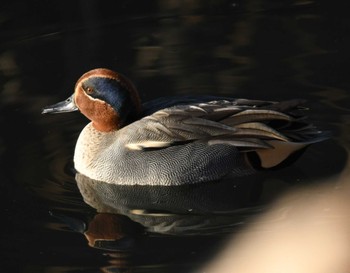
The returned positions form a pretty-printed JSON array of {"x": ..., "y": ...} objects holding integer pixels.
[{"x": 147, "y": 144}]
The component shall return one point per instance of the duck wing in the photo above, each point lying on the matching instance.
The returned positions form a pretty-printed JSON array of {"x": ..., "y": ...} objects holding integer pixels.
[
  {"x": 271, "y": 131},
  {"x": 152, "y": 106}
]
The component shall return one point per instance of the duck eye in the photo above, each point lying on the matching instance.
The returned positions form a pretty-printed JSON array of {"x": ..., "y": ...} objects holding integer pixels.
[{"x": 89, "y": 90}]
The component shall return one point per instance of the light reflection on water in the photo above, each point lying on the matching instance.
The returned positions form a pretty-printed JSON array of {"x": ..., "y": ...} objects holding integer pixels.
[{"x": 242, "y": 49}]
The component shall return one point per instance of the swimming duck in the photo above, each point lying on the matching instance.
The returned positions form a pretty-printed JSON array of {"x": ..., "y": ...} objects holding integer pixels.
[{"x": 179, "y": 140}]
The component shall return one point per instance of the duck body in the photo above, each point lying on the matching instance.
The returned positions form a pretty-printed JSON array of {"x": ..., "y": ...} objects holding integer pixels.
[
  {"x": 147, "y": 152},
  {"x": 179, "y": 140}
]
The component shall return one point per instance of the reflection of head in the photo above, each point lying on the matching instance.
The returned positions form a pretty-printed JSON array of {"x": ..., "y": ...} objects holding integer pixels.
[{"x": 111, "y": 231}]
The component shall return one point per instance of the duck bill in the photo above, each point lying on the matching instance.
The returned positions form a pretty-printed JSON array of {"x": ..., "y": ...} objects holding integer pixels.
[{"x": 61, "y": 107}]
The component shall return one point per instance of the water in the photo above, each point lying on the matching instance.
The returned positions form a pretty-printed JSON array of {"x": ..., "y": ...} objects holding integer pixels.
[{"x": 252, "y": 49}]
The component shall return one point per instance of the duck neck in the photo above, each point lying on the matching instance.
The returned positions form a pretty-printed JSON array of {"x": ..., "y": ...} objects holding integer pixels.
[
  {"x": 90, "y": 144},
  {"x": 106, "y": 127}
]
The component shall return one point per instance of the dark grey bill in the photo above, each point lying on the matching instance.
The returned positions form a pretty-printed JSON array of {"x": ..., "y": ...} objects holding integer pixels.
[{"x": 61, "y": 107}]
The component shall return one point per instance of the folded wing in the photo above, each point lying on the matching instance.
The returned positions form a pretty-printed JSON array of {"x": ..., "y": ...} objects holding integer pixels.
[{"x": 267, "y": 133}]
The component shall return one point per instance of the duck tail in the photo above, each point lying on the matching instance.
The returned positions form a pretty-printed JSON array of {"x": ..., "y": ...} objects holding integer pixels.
[{"x": 282, "y": 126}]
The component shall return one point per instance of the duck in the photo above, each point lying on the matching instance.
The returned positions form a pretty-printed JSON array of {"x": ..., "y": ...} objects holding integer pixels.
[{"x": 180, "y": 140}]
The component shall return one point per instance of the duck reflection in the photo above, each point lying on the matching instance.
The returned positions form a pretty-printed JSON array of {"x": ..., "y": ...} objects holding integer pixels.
[
  {"x": 133, "y": 222},
  {"x": 126, "y": 212}
]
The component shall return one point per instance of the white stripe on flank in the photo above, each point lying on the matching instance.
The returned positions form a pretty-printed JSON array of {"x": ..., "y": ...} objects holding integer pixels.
[{"x": 147, "y": 144}]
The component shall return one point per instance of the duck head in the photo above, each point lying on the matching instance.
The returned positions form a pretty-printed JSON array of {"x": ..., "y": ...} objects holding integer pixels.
[{"x": 105, "y": 97}]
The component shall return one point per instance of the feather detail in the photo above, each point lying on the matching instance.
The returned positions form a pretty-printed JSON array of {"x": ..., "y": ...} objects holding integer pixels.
[
  {"x": 259, "y": 130},
  {"x": 246, "y": 144},
  {"x": 250, "y": 115}
]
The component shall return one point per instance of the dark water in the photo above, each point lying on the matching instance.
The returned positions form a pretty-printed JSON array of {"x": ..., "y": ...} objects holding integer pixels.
[{"x": 270, "y": 50}]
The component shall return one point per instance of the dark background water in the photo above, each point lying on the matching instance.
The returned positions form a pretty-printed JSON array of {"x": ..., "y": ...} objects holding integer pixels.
[{"x": 270, "y": 50}]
